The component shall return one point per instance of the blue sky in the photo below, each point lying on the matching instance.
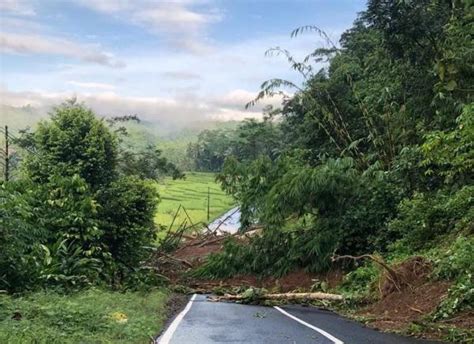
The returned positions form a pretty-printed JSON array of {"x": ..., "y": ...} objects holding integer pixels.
[{"x": 164, "y": 60}]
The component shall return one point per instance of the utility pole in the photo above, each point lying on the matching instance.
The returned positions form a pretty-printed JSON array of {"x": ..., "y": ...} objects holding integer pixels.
[
  {"x": 208, "y": 203},
  {"x": 7, "y": 159}
]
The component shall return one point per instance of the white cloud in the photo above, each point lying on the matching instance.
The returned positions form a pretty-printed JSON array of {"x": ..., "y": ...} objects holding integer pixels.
[
  {"x": 177, "y": 22},
  {"x": 21, "y": 25},
  {"x": 231, "y": 105},
  {"x": 17, "y": 7},
  {"x": 173, "y": 18},
  {"x": 92, "y": 85},
  {"x": 157, "y": 109},
  {"x": 14, "y": 43},
  {"x": 106, "y": 6},
  {"x": 181, "y": 75}
]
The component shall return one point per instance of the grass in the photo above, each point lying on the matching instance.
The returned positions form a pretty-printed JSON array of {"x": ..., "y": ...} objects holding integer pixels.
[
  {"x": 192, "y": 194},
  {"x": 91, "y": 316}
]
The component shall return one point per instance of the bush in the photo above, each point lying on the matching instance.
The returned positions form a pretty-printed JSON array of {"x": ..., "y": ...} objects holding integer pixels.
[
  {"x": 455, "y": 264},
  {"x": 460, "y": 298},
  {"x": 457, "y": 261},
  {"x": 361, "y": 281},
  {"x": 127, "y": 219},
  {"x": 50, "y": 234},
  {"x": 19, "y": 234},
  {"x": 65, "y": 265},
  {"x": 426, "y": 216}
]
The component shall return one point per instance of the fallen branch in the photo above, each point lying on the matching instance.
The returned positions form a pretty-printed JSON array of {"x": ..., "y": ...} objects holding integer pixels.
[
  {"x": 415, "y": 309},
  {"x": 283, "y": 296},
  {"x": 189, "y": 237},
  {"x": 157, "y": 271},
  {"x": 208, "y": 242},
  {"x": 182, "y": 261},
  {"x": 189, "y": 217}
]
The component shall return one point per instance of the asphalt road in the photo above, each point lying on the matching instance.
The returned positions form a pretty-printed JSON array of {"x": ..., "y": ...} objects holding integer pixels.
[{"x": 203, "y": 322}]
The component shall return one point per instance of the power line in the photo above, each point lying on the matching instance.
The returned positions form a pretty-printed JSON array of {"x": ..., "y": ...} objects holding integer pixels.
[{"x": 15, "y": 138}]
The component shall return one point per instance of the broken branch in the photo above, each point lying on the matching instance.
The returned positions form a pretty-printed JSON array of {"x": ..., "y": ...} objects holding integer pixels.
[{"x": 281, "y": 296}]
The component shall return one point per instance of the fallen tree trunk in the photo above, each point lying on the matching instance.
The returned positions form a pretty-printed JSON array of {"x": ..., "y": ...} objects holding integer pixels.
[
  {"x": 280, "y": 297},
  {"x": 304, "y": 296}
]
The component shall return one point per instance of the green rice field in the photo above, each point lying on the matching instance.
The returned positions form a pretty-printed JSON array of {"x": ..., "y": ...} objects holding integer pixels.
[{"x": 191, "y": 193}]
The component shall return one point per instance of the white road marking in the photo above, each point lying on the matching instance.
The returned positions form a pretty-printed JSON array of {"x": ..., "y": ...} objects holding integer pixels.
[
  {"x": 166, "y": 337},
  {"x": 317, "y": 329}
]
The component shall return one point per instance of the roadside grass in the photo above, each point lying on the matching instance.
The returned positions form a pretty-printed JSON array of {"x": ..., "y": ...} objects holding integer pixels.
[
  {"x": 192, "y": 194},
  {"x": 90, "y": 316}
]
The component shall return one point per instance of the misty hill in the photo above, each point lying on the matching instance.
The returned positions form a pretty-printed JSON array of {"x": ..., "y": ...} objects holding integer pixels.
[
  {"x": 20, "y": 117},
  {"x": 171, "y": 137}
]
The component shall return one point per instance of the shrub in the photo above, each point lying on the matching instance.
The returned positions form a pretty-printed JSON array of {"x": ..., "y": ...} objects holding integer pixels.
[
  {"x": 127, "y": 219},
  {"x": 18, "y": 236},
  {"x": 428, "y": 215},
  {"x": 49, "y": 234},
  {"x": 457, "y": 261},
  {"x": 455, "y": 264},
  {"x": 361, "y": 281},
  {"x": 460, "y": 298},
  {"x": 65, "y": 264}
]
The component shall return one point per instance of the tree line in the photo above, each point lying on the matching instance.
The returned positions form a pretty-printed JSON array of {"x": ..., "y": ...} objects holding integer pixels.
[{"x": 248, "y": 141}]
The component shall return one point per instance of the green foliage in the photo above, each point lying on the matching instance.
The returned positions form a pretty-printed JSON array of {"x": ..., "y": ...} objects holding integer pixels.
[
  {"x": 69, "y": 211},
  {"x": 18, "y": 237},
  {"x": 234, "y": 259},
  {"x": 455, "y": 264},
  {"x": 73, "y": 142},
  {"x": 127, "y": 212},
  {"x": 374, "y": 150},
  {"x": 451, "y": 154},
  {"x": 64, "y": 264},
  {"x": 324, "y": 190},
  {"x": 274, "y": 253},
  {"x": 247, "y": 142},
  {"x": 250, "y": 182},
  {"x": 460, "y": 298},
  {"x": 425, "y": 217},
  {"x": 73, "y": 222},
  {"x": 147, "y": 164},
  {"x": 361, "y": 282},
  {"x": 92, "y": 316},
  {"x": 457, "y": 260},
  {"x": 210, "y": 150}
]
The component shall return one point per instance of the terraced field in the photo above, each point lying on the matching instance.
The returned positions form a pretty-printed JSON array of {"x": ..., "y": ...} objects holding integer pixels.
[{"x": 191, "y": 193}]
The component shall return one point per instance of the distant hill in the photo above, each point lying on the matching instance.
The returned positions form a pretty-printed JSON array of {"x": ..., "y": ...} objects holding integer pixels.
[
  {"x": 171, "y": 138},
  {"x": 20, "y": 117}
]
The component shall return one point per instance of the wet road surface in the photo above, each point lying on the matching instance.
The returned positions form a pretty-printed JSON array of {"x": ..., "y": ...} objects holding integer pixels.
[{"x": 203, "y": 322}]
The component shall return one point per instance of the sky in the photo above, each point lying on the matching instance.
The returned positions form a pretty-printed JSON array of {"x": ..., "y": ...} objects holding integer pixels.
[{"x": 170, "y": 60}]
